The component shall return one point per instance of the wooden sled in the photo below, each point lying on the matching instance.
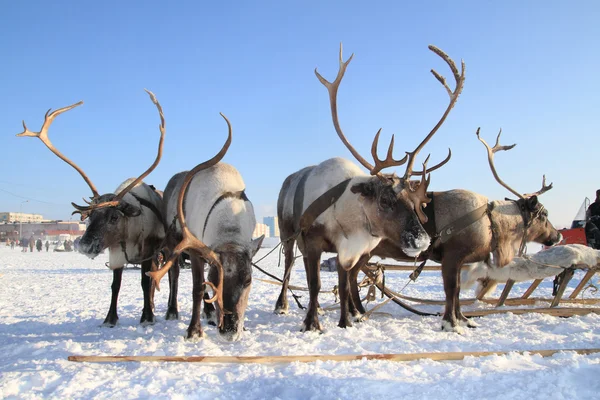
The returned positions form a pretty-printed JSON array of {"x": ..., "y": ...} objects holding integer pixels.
[{"x": 371, "y": 271}]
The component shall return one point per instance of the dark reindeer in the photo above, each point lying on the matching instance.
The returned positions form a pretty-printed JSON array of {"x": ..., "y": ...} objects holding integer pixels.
[
  {"x": 498, "y": 228},
  {"x": 366, "y": 211},
  {"x": 217, "y": 229},
  {"x": 128, "y": 222}
]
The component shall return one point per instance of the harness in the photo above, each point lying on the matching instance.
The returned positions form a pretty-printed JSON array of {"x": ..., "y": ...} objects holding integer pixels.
[{"x": 241, "y": 195}]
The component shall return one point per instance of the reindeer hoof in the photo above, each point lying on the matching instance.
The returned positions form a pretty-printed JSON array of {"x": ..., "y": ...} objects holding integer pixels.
[
  {"x": 147, "y": 319},
  {"x": 172, "y": 315},
  {"x": 447, "y": 327},
  {"x": 311, "y": 327},
  {"x": 469, "y": 324},
  {"x": 110, "y": 321},
  {"x": 345, "y": 324},
  {"x": 281, "y": 310},
  {"x": 195, "y": 333}
]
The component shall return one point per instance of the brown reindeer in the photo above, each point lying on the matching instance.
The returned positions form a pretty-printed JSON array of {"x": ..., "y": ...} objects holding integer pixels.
[
  {"x": 354, "y": 211},
  {"x": 466, "y": 227}
]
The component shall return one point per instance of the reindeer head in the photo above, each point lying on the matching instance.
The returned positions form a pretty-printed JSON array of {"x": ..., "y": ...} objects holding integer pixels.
[
  {"x": 237, "y": 282},
  {"x": 109, "y": 214},
  {"x": 537, "y": 227},
  {"x": 394, "y": 205}
]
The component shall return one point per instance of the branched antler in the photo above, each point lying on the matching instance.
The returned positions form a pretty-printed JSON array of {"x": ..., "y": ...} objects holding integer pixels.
[
  {"x": 43, "y": 136},
  {"x": 497, "y": 147},
  {"x": 190, "y": 242}
]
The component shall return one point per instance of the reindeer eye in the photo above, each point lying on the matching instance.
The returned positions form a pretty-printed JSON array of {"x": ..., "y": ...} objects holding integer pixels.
[
  {"x": 387, "y": 202},
  {"x": 248, "y": 283},
  {"x": 113, "y": 218}
]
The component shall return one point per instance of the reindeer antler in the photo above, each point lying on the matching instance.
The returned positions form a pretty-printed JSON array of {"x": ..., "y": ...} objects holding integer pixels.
[
  {"x": 85, "y": 210},
  {"x": 190, "y": 242},
  {"x": 161, "y": 127},
  {"x": 543, "y": 190},
  {"x": 491, "y": 151},
  {"x": 417, "y": 196},
  {"x": 43, "y": 136}
]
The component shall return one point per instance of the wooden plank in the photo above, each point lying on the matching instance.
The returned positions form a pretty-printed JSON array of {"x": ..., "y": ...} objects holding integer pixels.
[
  {"x": 588, "y": 275},
  {"x": 333, "y": 357},
  {"x": 554, "y": 311},
  {"x": 507, "y": 288},
  {"x": 567, "y": 275},
  {"x": 531, "y": 288}
]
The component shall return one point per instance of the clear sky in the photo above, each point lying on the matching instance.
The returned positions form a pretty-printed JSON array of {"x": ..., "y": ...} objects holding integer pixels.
[{"x": 532, "y": 70}]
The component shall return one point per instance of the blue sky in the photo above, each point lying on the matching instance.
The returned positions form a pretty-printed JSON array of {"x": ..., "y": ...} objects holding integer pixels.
[{"x": 531, "y": 70}]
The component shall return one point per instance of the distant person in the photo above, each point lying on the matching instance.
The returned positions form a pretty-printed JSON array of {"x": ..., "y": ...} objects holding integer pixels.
[
  {"x": 47, "y": 245},
  {"x": 12, "y": 244},
  {"x": 24, "y": 245},
  {"x": 38, "y": 245},
  {"x": 31, "y": 244},
  {"x": 592, "y": 232}
]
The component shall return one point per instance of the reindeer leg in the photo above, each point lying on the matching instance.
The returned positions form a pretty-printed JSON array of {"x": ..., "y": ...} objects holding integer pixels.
[
  {"x": 357, "y": 310},
  {"x": 462, "y": 320},
  {"x": 195, "y": 328},
  {"x": 173, "y": 308},
  {"x": 147, "y": 287},
  {"x": 209, "y": 312},
  {"x": 311, "y": 265},
  {"x": 112, "y": 317},
  {"x": 450, "y": 272},
  {"x": 282, "y": 306},
  {"x": 344, "y": 293}
]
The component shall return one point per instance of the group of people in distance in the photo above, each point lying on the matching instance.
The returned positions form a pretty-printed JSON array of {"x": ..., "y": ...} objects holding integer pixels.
[{"x": 24, "y": 243}]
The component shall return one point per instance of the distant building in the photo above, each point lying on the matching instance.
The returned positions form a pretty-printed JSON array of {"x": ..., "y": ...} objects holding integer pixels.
[
  {"x": 10, "y": 217},
  {"x": 260, "y": 229},
  {"x": 49, "y": 230},
  {"x": 273, "y": 224}
]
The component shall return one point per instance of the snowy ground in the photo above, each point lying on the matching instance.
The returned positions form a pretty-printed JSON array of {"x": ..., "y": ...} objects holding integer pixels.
[{"x": 52, "y": 306}]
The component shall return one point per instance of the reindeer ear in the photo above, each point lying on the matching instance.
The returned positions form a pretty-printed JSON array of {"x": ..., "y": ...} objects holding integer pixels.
[
  {"x": 366, "y": 189},
  {"x": 129, "y": 210},
  {"x": 256, "y": 243},
  {"x": 532, "y": 202}
]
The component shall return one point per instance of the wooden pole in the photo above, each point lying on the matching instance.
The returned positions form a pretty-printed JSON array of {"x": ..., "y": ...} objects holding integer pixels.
[
  {"x": 584, "y": 281},
  {"x": 507, "y": 288},
  {"x": 333, "y": 357},
  {"x": 555, "y": 311},
  {"x": 533, "y": 286}
]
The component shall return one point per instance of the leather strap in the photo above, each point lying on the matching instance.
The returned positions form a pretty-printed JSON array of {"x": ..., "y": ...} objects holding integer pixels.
[
  {"x": 322, "y": 203},
  {"x": 238, "y": 195},
  {"x": 148, "y": 204},
  {"x": 461, "y": 223}
]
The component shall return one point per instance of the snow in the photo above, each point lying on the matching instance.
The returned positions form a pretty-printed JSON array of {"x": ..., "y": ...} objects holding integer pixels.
[{"x": 52, "y": 306}]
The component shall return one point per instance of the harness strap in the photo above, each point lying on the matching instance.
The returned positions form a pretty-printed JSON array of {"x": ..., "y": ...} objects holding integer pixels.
[
  {"x": 241, "y": 195},
  {"x": 148, "y": 204},
  {"x": 463, "y": 222},
  {"x": 322, "y": 203}
]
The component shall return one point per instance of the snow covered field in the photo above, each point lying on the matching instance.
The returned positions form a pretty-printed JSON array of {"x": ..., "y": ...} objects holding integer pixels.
[{"x": 52, "y": 306}]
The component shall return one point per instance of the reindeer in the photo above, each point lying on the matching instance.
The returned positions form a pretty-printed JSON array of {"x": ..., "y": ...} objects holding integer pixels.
[
  {"x": 356, "y": 211},
  {"x": 128, "y": 222},
  {"x": 467, "y": 228},
  {"x": 221, "y": 220}
]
